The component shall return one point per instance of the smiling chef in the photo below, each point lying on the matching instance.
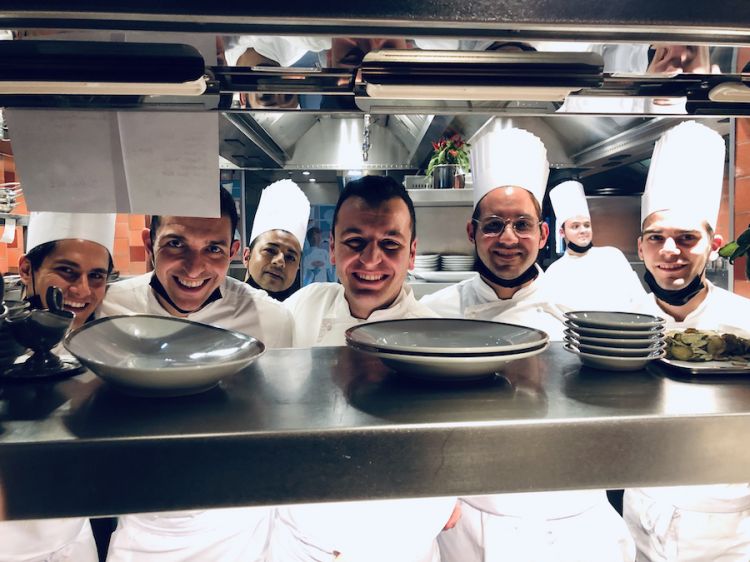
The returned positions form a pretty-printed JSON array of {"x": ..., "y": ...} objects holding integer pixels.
[
  {"x": 510, "y": 176},
  {"x": 510, "y": 173},
  {"x": 588, "y": 277},
  {"x": 279, "y": 227},
  {"x": 679, "y": 212},
  {"x": 373, "y": 245}
]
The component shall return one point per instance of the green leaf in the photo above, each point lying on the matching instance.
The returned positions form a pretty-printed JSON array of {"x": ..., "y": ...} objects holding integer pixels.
[{"x": 727, "y": 250}]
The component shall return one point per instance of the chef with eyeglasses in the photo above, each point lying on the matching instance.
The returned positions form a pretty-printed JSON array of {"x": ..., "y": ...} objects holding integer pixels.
[
  {"x": 588, "y": 277},
  {"x": 510, "y": 176},
  {"x": 71, "y": 251},
  {"x": 510, "y": 173},
  {"x": 679, "y": 212}
]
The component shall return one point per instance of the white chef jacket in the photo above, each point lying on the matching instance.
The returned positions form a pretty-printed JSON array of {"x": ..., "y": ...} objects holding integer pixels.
[
  {"x": 362, "y": 531},
  {"x": 531, "y": 527},
  {"x": 600, "y": 279},
  {"x": 241, "y": 308},
  {"x": 47, "y": 540},
  {"x": 321, "y": 313},
  {"x": 534, "y": 305},
  {"x": 235, "y": 534},
  {"x": 694, "y": 523}
]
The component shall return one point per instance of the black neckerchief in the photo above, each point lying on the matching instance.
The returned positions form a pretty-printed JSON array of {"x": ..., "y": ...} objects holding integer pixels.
[
  {"x": 675, "y": 298},
  {"x": 525, "y": 277},
  {"x": 35, "y": 302},
  {"x": 278, "y": 295},
  {"x": 162, "y": 292},
  {"x": 579, "y": 249}
]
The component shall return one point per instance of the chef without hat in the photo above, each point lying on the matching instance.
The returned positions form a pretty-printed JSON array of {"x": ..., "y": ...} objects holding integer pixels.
[
  {"x": 569, "y": 201},
  {"x": 509, "y": 157},
  {"x": 50, "y": 227},
  {"x": 282, "y": 206},
  {"x": 686, "y": 173}
]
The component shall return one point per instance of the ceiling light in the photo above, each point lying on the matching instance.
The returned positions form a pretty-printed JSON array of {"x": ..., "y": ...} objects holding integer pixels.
[
  {"x": 311, "y": 180},
  {"x": 305, "y": 173}
]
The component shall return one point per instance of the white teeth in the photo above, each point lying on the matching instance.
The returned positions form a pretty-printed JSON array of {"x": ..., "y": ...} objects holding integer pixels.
[
  {"x": 72, "y": 304},
  {"x": 190, "y": 284},
  {"x": 372, "y": 277}
]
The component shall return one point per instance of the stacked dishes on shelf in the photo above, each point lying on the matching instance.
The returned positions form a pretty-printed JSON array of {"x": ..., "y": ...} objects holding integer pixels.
[
  {"x": 427, "y": 262},
  {"x": 615, "y": 341},
  {"x": 445, "y": 348},
  {"x": 456, "y": 263}
]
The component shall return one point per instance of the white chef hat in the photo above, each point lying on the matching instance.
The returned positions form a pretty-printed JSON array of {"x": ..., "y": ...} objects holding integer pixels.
[
  {"x": 509, "y": 157},
  {"x": 686, "y": 173},
  {"x": 569, "y": 200},
  {"x": 50, "y": 227},
  {"x": 284, "y": 50},
  {"x": 282, "y": 206}
]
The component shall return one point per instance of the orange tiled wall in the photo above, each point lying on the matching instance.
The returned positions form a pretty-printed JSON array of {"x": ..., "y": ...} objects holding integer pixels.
[
  {"x": 129, "y": 254},
  {"x": 742, "y": 186}
]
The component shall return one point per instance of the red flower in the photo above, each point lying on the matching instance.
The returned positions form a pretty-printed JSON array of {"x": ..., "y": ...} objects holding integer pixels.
[{"x": 453, "y": 153}]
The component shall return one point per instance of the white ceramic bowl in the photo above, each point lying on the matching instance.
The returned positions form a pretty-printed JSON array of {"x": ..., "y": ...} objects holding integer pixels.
[
  {"x": 447, "y": 368},
  {"x": 614, "y": 320},
  {"x": 615, "y": 351},
  {"x": 616, "y": 342},
  {"x": 614, "y": 363},
  {"x": 445, "y": 336},
  {"x": 614, "y": 333},
  {"x": 161, "y": 355}
]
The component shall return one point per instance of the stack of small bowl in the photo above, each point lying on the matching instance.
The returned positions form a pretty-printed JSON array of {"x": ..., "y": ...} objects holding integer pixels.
[
  {"x": 10, "y": 349},
  {"x": 615, "y": 341}
]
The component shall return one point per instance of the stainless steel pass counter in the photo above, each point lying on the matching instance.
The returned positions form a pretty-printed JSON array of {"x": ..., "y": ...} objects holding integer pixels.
[{"x": 334, "y": 424}]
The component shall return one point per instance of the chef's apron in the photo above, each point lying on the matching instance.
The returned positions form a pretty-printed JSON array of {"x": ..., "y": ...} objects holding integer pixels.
[
  {"x": 698, "y": 530},
  {"x": 578, "y": 526},
  {"x": 364, "y": 531},
  {"x": 47, "y": 540},
  {"x": 226, "y": 535}
]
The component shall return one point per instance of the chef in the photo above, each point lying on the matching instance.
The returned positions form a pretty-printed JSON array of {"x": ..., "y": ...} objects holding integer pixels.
[
  {"x": 71, "y": 251},
  {"x": 510, "y": 172},
  {"x": 588, "y": 277},
  {"x": 276, "y": 241},
  {"x": 679, "y": 210},
  {"x": 191, "y": 257},
  {"x": 510, "y": 175},
  {"x": 373, "y": 245}
]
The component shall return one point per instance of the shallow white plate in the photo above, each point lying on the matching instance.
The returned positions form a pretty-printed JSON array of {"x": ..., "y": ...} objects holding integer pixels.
[
  {"x": 615, "y": 342},
  {"x": 614, "y": 320},
  {"x": 443, "y": 276},
  {"x": 615, "y": 351},
  {"x": 612, "y": 333},
  {"x": 445, "y": 336},
  {"x": 614, "y": 363},
  {"x": 447, "y": 368},
  {"x": 709, "y": 367},
  {"x": 161, "y": 355}
]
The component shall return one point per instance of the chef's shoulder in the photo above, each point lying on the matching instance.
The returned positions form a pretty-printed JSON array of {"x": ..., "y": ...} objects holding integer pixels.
[
  {"x": 320, "y": 296},
  {"x": 242, "y": 296},
  {"x": 446, "y": 302},
  {"x": 128, "y": 296},
  {"x": 612, "y": 255}
]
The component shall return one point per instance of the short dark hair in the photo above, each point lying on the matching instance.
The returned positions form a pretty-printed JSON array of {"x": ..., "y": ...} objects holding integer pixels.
[
  {"x": 226, "y": 205},
  {"x": 376, "y": 190},
  {"x": 38, "y": 254}
]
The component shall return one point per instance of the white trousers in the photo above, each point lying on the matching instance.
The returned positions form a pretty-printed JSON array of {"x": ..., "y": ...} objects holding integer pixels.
[
  {"x": 666, "y": 533},
  {"x": 47, "y": 540},
  {"x": 595, "y": 535},
  {"x": 226, "y": 535}
]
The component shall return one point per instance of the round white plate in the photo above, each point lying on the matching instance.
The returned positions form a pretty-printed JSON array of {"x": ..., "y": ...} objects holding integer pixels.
[
  {"x": 615, "y": 342},
  {"x": 614, "y": 363},
  {"x": 615, "y": 351},
  {"x": 445, "y": 336},
  {"x": 443, "y": 276},
  {"x": 612, "y": 333},
  {"x": 447, "y": 368},
  {"x": 615, "y": 320}
]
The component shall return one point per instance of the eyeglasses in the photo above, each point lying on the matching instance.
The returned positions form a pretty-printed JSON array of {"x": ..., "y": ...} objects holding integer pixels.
[{"x": 493, "y": 226}]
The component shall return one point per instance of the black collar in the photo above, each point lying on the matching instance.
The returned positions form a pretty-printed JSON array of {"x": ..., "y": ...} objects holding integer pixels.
[
  {"x": 675, "y": 298},
  {"x": 162, "y": 292},
  {"x": 579, "y": 249},
  {"x": 278, "y": 295},
  {"x": 531, "y": 273}
]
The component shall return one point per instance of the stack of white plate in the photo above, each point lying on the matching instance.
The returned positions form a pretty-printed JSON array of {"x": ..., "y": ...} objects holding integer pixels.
[
  {"x": 456, "y": 263},
  {"x": 616, "y": 341},
  {"x": 445, "y": 348},
  {"x": 427, "y": 262}
]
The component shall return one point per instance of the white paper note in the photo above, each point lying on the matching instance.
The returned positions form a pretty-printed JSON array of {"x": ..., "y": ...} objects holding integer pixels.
[{"x": 9, "y": 231}]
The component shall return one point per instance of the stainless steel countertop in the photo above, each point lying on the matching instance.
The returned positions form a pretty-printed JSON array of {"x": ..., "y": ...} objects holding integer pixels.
[{"x": 331, "y": 424}]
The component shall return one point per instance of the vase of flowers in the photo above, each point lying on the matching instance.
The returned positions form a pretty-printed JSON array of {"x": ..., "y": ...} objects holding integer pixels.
[{"x": 449, "y": 163}]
